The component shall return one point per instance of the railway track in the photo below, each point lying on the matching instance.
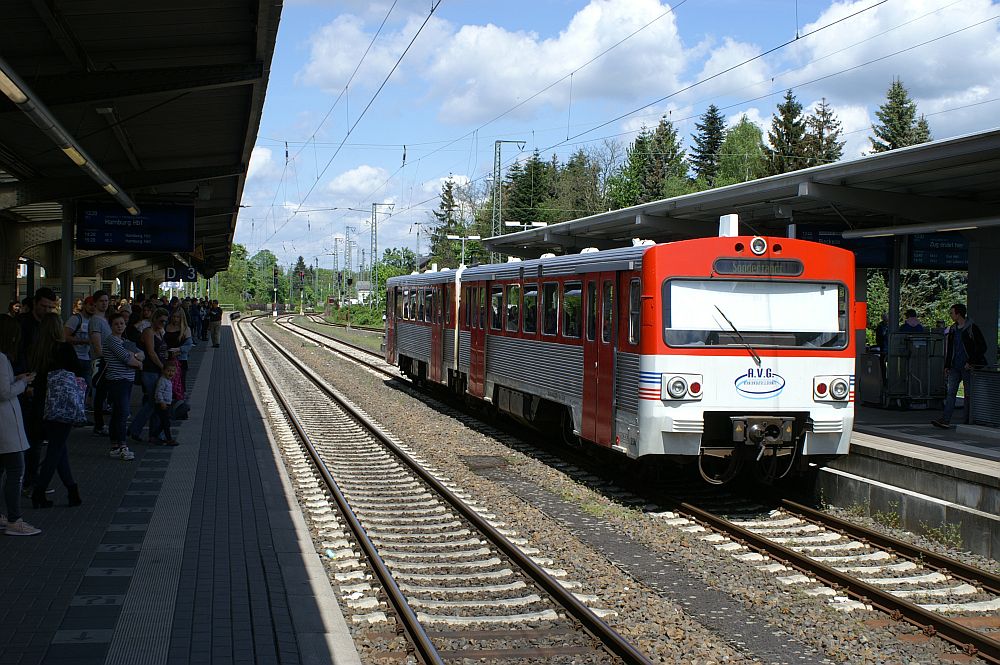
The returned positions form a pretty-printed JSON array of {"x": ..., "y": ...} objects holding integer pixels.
[
  {"x": 859, "y": 568},
  {"x": 457, "y": 585},
  {"x": 316, "y": 318},
  {"x": 371, "y": 359},
  {"x": 855, "y": 567}
]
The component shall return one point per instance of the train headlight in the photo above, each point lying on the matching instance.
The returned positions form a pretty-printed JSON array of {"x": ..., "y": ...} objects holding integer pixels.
[
  {"x": 677, "y": 387},
  {"x": 839, "y": 389},
  {"x": 758, "y": 245}
]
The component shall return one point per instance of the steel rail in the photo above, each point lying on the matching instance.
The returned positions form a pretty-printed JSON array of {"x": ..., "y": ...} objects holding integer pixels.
[
  {"x": 352, "y": 345},
  {"x": 984, "y": 578},
  {"x": 590, "y": 621},
  {"x": 412, "y": 627},
  {"x": 372, "y": 329},
  {"x": 970, "y": 641}
]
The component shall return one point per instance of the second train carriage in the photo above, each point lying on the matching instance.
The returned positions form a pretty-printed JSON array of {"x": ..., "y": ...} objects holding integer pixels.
[{"x": 721, "y": 350}]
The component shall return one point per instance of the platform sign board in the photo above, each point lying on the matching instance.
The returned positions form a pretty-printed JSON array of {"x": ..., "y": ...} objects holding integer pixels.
[
  {"x": 868, "y": 252},
  {"x": 157, "y": 228},
  {"x": 180, "y": 274},
  {"x": 947, "y": 250}
]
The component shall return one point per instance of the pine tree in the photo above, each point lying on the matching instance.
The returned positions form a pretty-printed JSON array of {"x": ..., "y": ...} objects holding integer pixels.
[
  {"x": 822, "y": 144},
  {"x": 576, "y": 189},
  {"x": 447, "y": 253},
  {"x": 742, "y": 156},
  {"x": 707, "y": 142},
  {"x": 787, "y": 134},
  {"x": 898, "y": 124},
  {"x": 527, "y": 192},
  {"x": 654, "y": 168}
]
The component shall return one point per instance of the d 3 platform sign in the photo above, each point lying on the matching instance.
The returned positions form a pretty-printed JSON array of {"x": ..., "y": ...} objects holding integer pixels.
[
  {"x": 180, "y": 274},
  {"x": 157, "y": 228}
]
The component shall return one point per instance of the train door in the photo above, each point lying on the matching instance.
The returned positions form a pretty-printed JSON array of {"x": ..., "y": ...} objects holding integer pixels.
[
  {"x": 477, "y": 347},
  {"x": 437, "y": 335},
  {"x": 393, "y": 309},
  {"x": 599, "y": 358}
]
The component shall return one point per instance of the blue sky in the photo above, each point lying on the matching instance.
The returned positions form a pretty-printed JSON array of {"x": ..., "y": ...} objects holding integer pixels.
[{"x": 475, "y": 60}]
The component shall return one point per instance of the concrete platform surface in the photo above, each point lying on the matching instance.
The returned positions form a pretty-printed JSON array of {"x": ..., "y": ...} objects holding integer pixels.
[{"x": 193, "y": 554}]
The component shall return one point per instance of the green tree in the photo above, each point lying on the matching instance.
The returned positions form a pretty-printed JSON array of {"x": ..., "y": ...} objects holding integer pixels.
[
  {"x": 446, "y": 253},
  {"x": 234, "y": 282},
  {"x": 787, "y": 137},
  {"x": 822, "y": 137},
  {"x": 707, "y": 144},
  {"x": 654, "y": 168},
  {"x": 577, "y": 192},
  {"x": 742, "y": 155},
  {"x": 898, "y": 125},
  {"x": 528, "y": 189}
]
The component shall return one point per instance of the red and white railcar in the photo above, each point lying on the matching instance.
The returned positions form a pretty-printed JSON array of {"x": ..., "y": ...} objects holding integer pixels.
[{"x": 721, "y": 350}]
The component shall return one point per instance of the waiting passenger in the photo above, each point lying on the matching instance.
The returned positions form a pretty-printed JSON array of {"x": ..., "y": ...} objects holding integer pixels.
[
  {"x": 13, "y": 439},
  {"x": 911, "y": 324},
  {"x": 964, "y": 350},
  {"x": 123, "y": 359}
]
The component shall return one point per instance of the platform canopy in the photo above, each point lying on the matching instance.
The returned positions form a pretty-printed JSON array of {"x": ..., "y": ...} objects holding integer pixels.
[
  {"x": 951, "y": 184},
  {"x": 163, "y": 97}
]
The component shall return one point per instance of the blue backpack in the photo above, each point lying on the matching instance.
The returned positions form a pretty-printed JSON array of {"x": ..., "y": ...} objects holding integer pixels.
[{"x": 64, "y": 399}]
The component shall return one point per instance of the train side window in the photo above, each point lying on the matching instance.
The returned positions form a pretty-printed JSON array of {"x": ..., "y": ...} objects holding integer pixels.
[
  {"x": 634, "y": 310},
  {"x": 482, "y": 308},
  {"x": 448, "y": 297},
  {"x": 530, "y": 324},
  {"x": 467, "y": 300},
  {"x": 550, "y": 308},
  {"x": 414, "y": 297},
  {"x": 591, "y": 311},
  {"x": 429, "y": 305},
  {"x": 405, "y": 311},
  {"x": 496, "y": 307},
  {"x": 572, "y": 309},
  {"x": 607, "y": 310},
  {"x": 513, "y": 307}
]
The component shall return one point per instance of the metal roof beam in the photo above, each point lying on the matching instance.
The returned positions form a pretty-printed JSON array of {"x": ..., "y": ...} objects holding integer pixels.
[
  {"x": 27, "y": 192},
  {"x": 130, "y": 83},
  {"x": 907, "y": 206},
  {"x": 578, "y": 242},
  {"x": 62, "y": 34}
]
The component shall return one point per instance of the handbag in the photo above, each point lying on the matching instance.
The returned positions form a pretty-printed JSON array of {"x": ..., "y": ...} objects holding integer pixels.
[{"x": 64, "y": 397}]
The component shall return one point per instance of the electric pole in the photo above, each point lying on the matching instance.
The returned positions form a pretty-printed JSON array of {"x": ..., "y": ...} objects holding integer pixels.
[
  {"x": 498, "y": 193},
  {"x": 373, "y": 275}
]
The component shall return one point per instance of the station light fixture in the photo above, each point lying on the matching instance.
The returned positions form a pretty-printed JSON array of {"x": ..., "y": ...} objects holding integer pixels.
[
  {"x": 16, "y": 91},
  {"x": 929, "y": 227}
]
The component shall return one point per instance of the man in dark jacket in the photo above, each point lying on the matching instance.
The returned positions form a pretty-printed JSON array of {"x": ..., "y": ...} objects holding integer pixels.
[{"x": 964, "y": 350}]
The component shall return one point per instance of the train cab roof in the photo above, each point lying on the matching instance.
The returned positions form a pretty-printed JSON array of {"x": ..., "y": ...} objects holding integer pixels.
[{"x": 624, "y": 258}]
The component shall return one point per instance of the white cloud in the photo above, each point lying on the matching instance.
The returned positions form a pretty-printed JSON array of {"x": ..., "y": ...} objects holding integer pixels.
[
  {"x": 486, "y": 68},
  {"x": 336, "y": 50},
  {"x": 746, "y": 81},
  {"x": 261, "y": 165},
  {"x": 361, "y": 181},
  {"x": 937, "y": 75}
]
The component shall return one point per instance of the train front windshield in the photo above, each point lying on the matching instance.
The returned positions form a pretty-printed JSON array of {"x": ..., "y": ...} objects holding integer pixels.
[{"x": 761, "y": 313}]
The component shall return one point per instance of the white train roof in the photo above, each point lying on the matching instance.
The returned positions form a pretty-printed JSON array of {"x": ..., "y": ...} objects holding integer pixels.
[{"x": 624, "y": 258}]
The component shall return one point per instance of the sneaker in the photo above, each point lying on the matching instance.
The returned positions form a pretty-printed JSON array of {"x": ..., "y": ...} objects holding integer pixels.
[
  {"x": 3, "y": 521},
  {"x": 100, "y": 431},
  {"x": 940, "y": 424},
  {"x": 125, "y": 455},
  {"x": 21, "y": 528}
]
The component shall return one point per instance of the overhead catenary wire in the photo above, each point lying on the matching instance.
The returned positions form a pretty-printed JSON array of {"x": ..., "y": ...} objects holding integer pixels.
[{"x": 362, "y": 114}]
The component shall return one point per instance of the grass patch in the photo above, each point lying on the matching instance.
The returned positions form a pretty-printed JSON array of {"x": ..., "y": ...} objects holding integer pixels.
[
  {"x": 889, "y": 518},
  {"x": 949, "y": 535}
]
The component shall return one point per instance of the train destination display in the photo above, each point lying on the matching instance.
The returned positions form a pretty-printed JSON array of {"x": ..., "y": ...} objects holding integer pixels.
[{"x": 158, "y": 227}]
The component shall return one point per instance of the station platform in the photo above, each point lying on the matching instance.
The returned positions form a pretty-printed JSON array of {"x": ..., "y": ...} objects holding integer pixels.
[
  {"x": 945, "y": 483},
  {"x": 193, "y": 554}
]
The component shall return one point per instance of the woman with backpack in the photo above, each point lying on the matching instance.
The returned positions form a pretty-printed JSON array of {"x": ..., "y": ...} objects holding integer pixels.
[{"x": 48, "y": 353}]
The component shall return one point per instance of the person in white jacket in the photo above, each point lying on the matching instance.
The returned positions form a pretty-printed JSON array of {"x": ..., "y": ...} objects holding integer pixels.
[{"x": 13, "y": 440}]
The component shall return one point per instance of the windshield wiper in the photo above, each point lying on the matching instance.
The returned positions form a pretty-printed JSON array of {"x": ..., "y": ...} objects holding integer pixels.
[{"x": 756, "y": 358}]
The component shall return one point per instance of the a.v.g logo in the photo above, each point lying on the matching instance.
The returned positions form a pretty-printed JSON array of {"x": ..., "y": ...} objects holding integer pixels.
[{"x": 760, "y": 383}]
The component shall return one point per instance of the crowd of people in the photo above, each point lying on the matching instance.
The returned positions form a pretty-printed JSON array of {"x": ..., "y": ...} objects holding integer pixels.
[{"x": 56, "y": 374}]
